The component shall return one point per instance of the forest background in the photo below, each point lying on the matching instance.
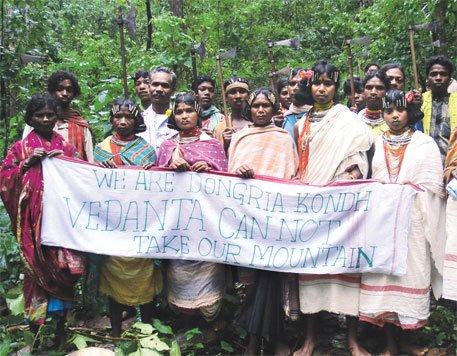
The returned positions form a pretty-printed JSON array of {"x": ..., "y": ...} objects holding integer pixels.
[{"x": 38, "y": 37}]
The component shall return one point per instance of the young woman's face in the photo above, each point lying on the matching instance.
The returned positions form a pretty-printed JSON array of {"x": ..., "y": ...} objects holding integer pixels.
[
  {"x": 323, "y": 90},
  {"x": 396, "y": 118},
  {"x": 124, "y": 122},
  {"x": 293, "y": 84},
  {"x": 261, "y": 111},
  {"x": 284, "y": 97},
  {"x": 186, "y": 117},
  {"x": 43, "y": 120}
]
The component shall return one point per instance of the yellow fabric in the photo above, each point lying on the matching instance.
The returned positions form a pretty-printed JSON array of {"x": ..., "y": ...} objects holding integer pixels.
[
  {"x": 105, "y": 144},
  {"x": 378, "y": 130},
  {"x": 130, "y": 281},
  {"x": 427, "y": 110}
]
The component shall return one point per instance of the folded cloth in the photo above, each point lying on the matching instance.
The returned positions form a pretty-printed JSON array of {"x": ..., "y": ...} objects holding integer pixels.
[{"x": 452, "y": 188}]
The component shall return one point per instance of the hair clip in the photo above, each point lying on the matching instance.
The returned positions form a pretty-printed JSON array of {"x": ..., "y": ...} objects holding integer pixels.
[
  {"x": 398, "y": 103},
  {"x": 115, "y": 109}
]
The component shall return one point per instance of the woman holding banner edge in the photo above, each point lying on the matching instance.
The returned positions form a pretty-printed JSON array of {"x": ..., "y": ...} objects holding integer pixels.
[
  {"x": 402, "y": 155},
  {"x": 127, "y": 281},
  {"x": 193, "y": 286},
  {"x": 328, "y": 126},
  {"x": 262, "y": 149},
  {"x": 50, "y": 272}
]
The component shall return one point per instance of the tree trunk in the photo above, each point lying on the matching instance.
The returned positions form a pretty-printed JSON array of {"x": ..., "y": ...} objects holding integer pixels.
[
  {"x": 440, "y": 15},
  {"x": 177, "y": 8},
  {"x": 149, "y": 18}
]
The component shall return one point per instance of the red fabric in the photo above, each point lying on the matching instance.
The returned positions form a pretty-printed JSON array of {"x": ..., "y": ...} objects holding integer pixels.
[
  {"x": 76, "y": 126},
  {"x": 49, "y": 270},
  {"x": 209, "y": 151},
  {"x": 115, "y": 150}
]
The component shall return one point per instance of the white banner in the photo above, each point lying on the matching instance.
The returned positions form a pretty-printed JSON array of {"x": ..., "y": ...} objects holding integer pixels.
[{"x": 258, "y": 223}]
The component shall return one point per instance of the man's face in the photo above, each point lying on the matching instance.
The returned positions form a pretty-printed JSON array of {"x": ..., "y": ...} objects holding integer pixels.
[
  {"x": 205, "y": 93},
  {"x": 374, "y": 91},
  {"x": 236, "y": 97},
  {"x": 64, "y": 93},
  {"x": 160, "y": 88},
  {"x": 142, "y": 89},
  {"x": 438, "y": 79}
]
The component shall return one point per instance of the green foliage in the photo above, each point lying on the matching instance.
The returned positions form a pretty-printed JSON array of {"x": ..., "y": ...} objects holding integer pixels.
[
  {"x": 442, "y": 328},
  {"x": 147, "y": 340},
  {"x": 81, "y": 341},
  {"x": 83, "y": 37},
  {"x": 15, "y": 300}
]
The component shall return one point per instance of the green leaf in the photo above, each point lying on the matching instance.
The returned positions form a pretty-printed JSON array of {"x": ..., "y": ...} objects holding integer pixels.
[
  {"x": 126, "y": 347},
  {"x": 199, "y": 346},
  {"x": 118, "y": 352},
  {"x": 191, "y": 333},
  {"x": 16, "y": 305},
  {"x": 227, "y": 347},
  {"x": 29, "y": 337},
  {"x": 162, "y": 328},
  {"x": 175, "y": 349},
  {"x": 5, "y": 346},
  {"x": 145, "y": 329},
  {"x": 153, "y": 342},
  {"x": 80, "y": 341},
  {"x": 145, "y": 352}
]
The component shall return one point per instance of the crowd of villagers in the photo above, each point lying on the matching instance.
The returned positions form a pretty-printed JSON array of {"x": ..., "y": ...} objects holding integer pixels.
[{"x": 299, "y": 131}]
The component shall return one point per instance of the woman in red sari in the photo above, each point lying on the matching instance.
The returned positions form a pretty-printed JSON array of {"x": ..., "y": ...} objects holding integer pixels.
[{"x": 50, "y": 272}]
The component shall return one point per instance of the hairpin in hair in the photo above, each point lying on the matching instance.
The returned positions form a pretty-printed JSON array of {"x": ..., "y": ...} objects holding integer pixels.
[
  {"x": 115, "y": 109},
  {"x": 272, "y": 98},
  {"x": 333, "y": 76},
  {"x": 399, "y": 103}
]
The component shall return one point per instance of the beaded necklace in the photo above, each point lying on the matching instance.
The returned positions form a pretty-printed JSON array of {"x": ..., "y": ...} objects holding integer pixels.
[
  {"x": 372, "y": 118},
  {"x": 394, "y": 151},
  {"x": 121, "y": 142}
]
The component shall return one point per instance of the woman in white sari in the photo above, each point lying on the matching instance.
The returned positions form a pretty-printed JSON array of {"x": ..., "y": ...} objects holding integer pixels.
[{"x": 402, "y": 155}]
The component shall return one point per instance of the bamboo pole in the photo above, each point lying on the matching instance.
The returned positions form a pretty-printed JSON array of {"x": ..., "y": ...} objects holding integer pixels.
[
  {"x": 413, "y": 58},
  {"x": 120, "y": 22},
  {"x": 228, "y": 119},
  {"x": 351, "y": 72}
]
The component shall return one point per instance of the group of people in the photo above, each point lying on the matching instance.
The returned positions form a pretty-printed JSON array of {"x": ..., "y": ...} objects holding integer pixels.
[{"x": 297, "y": 131}]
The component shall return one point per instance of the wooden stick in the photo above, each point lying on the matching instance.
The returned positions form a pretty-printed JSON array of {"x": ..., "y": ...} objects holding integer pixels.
[
  {"x": 194, "y": 65},
  {"x": 273, "y": 74},
  {"x": 120, "y": 22},
  {"x": 228, "y": 120},
  {"x": 351, "y": 73},
  {"x": 3, "y": 85},
  {"x": 413, "y": 58}
]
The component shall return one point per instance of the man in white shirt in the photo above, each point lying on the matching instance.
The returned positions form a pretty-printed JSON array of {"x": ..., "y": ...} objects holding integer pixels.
[{"x": 162, "y": 84}]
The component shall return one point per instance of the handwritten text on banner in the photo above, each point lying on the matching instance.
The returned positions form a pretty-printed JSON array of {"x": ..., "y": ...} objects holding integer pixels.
[{"x": 288, "y": 227}]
